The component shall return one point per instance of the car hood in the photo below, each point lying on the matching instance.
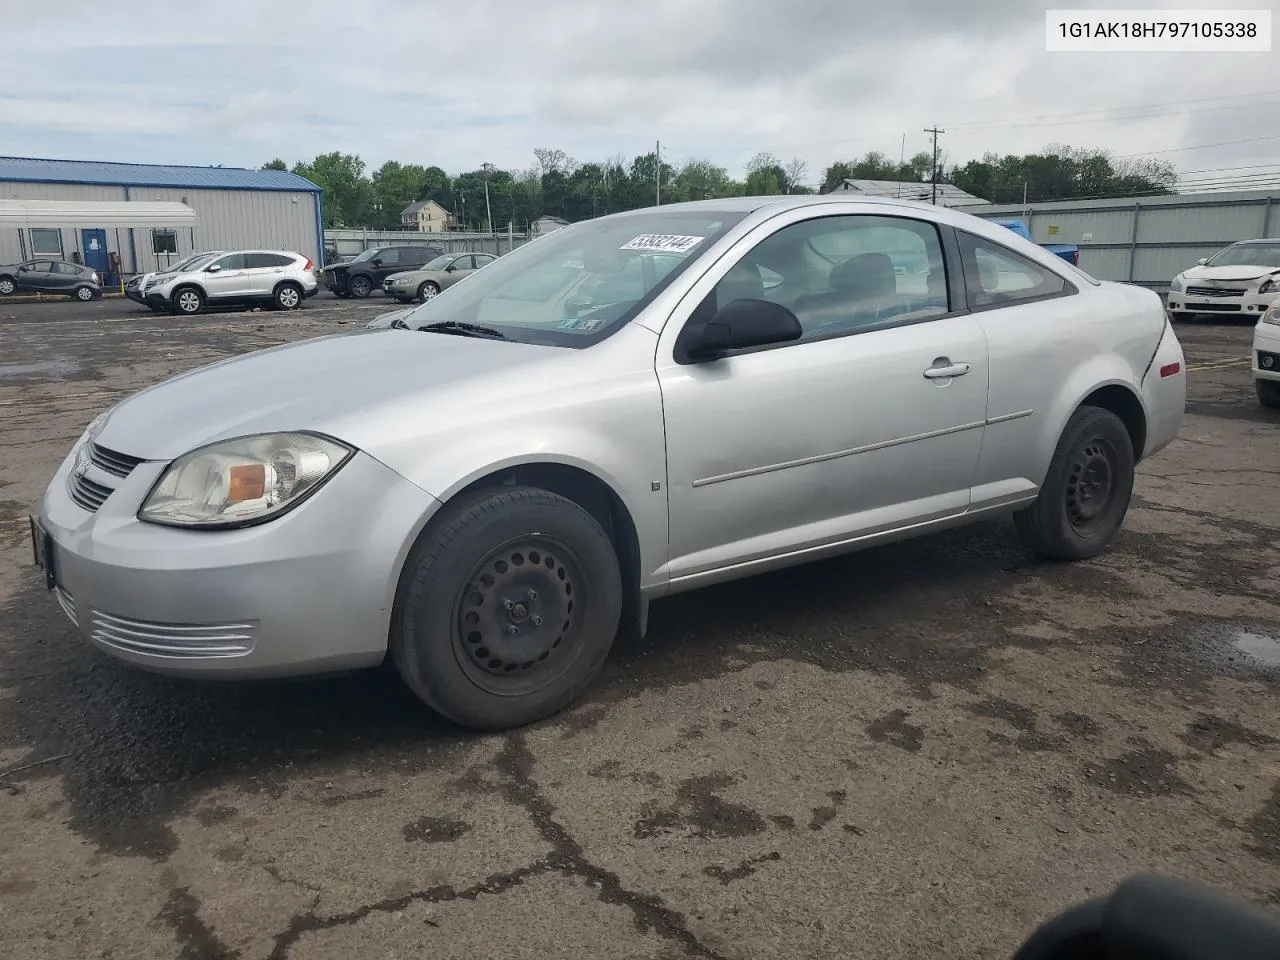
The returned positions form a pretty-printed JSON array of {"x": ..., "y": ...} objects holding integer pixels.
[
  {"x": 342, "y": 385},
  {"x": 1228, "y": 273},
  {"x": 417, "y": 275}
]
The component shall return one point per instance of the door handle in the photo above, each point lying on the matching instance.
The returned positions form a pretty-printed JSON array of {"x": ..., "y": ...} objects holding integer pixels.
[{"x": 943, "y": 368}]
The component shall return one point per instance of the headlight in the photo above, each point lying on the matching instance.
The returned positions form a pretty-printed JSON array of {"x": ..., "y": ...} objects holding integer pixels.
[
  {"x": 1270, "y": 286},
  {"x": 1176, "y": 284},
  {"x": 1273, "y": 313},
  {"x": 243, "y": 481}
]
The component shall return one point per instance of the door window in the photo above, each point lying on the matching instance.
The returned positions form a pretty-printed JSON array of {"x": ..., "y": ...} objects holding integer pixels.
[
  {"x": 465, "y": 262},
  {"x": 232, "y": 261},
  {"x": 845, "y": 274},
  {"x": 38, "y": 266},
  {"x": 995, "y": 276},
  {"x": 65, "y": 268},
  {"x": 263, "y": 260}
]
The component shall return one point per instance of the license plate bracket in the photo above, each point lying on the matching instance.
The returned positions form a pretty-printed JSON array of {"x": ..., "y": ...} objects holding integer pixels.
[{"x": 42, "y": 551}]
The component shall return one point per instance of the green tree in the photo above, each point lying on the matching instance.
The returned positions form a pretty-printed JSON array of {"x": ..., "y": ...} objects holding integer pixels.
[
  {"x": 395, "y": 186},
  {"x": 276, "y": 164},
  {"x": 347, "y": 193}
]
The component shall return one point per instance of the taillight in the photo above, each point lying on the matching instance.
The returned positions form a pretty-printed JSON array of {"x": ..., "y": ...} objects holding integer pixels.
[{"x": 309, "y": 265}]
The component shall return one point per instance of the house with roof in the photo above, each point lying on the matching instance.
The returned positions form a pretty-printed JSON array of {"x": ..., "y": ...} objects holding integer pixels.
[
  {"x": 948, "y": 195},
  {"x": 426, "y": 216}
]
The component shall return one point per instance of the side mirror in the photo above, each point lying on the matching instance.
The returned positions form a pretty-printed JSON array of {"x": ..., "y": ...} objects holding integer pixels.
[
  {"x": 1202, "y": 261},
  {"x": 738, "y": 325},
  {"x": 213, "y": 268},
  {"x": 376, "y": 261}
]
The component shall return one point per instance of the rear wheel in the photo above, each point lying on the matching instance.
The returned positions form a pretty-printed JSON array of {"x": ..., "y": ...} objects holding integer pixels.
[
  {"x": 1086, "y": 490},
  {"x": 507, "y": 608},
  {"x": 360, "y": 286},
  {"x": 288, "y": 296},
  {"x": 427, "y": 291},
  {"x": 188, "y": 301},
  {"x": 1268, "y": 392},
  {"x": 7, "y": 286}
]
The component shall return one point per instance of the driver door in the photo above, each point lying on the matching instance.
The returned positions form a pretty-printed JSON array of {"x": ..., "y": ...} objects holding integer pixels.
[
  {"x": 231, "y": 279},
  {"x": 855, "y": 429},
  {"x": 461, "y": 267},
  {"x": 35, "y": 275}
]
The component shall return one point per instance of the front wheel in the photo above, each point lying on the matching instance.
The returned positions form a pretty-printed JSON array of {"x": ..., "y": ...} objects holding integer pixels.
[
  {"x": 1086, "y": 490},
  {"x": 1268, "y": 392},
  {"x": 507, "y": 608},
  {"x": 188, "y": 301},
  {"x": 360, "y": 287},
  {"x": 83, "y": 294},
  {"x": 427, "y": 291}
]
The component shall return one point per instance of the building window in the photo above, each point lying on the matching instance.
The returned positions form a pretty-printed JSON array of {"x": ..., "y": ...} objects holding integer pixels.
[
  {"x": 164, "y": 241},
  {"x": 46, "y": 242}
]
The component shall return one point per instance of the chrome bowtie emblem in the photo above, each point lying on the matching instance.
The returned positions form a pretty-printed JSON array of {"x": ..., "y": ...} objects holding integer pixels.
[{"x": 82, "y": 462}]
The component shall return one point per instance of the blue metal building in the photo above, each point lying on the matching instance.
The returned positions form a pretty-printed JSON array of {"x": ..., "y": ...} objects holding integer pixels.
[{"x": 235, "y": 209}]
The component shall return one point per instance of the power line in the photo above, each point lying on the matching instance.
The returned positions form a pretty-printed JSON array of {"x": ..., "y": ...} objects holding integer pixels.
[{"x": 1141, "y": 106}]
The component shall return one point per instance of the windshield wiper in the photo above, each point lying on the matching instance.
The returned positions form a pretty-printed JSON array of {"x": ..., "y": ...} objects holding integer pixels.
[{"x": 464, "y": 330}]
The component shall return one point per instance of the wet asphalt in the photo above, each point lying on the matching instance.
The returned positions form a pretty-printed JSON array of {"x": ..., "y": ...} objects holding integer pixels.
[{"x": 921, "y": 750}]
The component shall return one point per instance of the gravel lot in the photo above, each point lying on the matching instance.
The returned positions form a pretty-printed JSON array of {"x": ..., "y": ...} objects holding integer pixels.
[{"x": 918, "y": 751}]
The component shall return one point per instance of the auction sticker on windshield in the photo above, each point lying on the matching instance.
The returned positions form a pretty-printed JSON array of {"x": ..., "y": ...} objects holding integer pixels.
[{"x": 665, "y": 242}]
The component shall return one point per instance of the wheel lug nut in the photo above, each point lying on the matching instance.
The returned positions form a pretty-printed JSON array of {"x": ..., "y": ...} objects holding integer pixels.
[
  {"x": 513, "y": 630},
  {"x": 537, "y": 621},
  {"x": 508, "y": 604},
  {"x": 533, "y": 594}
]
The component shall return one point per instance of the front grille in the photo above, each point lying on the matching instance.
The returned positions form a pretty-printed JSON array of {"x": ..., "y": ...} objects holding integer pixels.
[
  {"x": 68, "y": 604},
  {"x": 112, "y": 461},
  {"x": 1215, "y": 291},
  {"x": 87, "y": 494},
  {"x": 189, "y": 641}
]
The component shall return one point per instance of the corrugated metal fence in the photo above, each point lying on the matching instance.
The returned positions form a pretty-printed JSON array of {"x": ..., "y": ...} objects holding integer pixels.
[{"x": 1146, "y": 240}]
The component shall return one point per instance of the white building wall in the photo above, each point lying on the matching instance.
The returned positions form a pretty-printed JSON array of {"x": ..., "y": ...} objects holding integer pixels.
[{"x": 227, "y": 219}]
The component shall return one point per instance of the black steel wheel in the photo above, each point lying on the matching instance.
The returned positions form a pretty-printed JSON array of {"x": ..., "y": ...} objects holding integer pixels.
[
  {"x": 508, "y": 606},
  {"x": 359, "y": 286},
  {"x": 1086, "y": 490}
]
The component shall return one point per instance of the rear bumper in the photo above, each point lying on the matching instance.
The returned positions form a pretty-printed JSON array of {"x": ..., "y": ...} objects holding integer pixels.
[{"x": 1164, "y": 394}]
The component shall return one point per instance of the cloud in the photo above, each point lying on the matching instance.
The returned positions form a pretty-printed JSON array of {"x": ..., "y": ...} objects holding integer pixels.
[{"x": 457, "y": 85}]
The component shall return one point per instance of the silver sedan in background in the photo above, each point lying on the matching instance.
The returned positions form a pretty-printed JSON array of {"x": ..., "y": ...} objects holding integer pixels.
[{"x": 491, "y": 486}]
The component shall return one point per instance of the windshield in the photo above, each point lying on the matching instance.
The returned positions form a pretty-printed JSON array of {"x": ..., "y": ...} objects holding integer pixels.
[
  {"x": 439, "y": 263},
  {"x": 1248, "y": 255},
  {"x": 367, "y": 255},
  {"x": 194, "y": 262},
  {"x": 574, "y": 286}
]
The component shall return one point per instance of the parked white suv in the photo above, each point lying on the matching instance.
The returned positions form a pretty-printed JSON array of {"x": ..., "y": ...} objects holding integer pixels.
[{"x": 280, "y": 278}]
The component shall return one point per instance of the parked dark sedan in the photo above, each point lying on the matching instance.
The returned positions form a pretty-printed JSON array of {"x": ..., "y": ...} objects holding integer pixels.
[
  {"x": 51, "y": 276},
  {"x": 361, "y": 276}
]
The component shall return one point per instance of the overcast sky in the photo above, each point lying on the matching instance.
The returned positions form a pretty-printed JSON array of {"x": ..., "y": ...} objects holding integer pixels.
[{"x": 460, "y": 83}]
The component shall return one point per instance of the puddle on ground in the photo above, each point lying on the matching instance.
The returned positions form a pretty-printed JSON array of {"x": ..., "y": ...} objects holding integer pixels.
[
  {"x": 55, "y": 368},
  {"x": 1262, "y": 649}
]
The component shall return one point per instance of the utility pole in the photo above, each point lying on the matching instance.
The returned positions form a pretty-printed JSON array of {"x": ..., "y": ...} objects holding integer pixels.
[
  {"x": 657, "y": 177},
  {"x": 487, "y": 167},
  {"x": 935, "y": 131}
]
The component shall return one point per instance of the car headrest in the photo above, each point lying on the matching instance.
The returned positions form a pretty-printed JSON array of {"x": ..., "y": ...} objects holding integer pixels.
[{"x": 867, "y": 274}]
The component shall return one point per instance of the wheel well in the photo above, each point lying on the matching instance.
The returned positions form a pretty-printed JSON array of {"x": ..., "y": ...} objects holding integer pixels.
[
  {"x": 1124, "y": 404},
  {"x": 186, "y": 286},
  {"x": 287, "y": 283},
  {"x": 597, "y": 498}
]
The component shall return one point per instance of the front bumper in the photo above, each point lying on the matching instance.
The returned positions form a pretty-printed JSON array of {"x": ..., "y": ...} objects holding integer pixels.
[
  {"x": 336, "y": 282},
  {"x": 157, "y": 299},
  {"x": 1266, "y": 345},
  {"x": 1249, "y": 303},
  {"x": 309, "y": 592},
  {"x": 400, "y": 291}
]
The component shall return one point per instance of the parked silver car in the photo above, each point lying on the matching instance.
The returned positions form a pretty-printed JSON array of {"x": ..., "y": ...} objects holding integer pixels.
[
  {"x": 438, "y": 274},
  {"x": 493, "y": 485},
  {"x": 280, "y": 278}
]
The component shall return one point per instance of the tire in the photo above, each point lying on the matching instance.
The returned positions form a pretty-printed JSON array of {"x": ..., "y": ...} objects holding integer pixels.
[
  {"x": 428, "y": 290},
  {"x": 1086, "y": 491},
  {"x": 83, "y": 294},
  {"x": 359, "y": 286},
  {"x": 510, "y": 659},
  {"x": 8, "y": 286},
  {"x": 287, "y": 296},
  {"x": 188, "y": 301},
  {"x": 1268, "y": 392}
]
